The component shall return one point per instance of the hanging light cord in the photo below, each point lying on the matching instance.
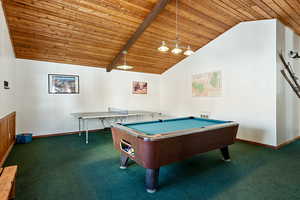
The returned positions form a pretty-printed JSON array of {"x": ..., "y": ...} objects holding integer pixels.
[
  {"x": 124, "y": 53},
  {"x": 176, "y": 20}
]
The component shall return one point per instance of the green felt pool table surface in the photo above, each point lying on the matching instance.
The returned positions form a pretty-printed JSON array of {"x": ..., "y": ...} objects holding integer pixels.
[{"x": 172, "y": 125}]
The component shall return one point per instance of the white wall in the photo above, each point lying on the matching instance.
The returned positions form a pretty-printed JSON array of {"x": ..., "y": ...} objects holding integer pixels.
[
  {"x": 246, "y": 56},
  {"x": 288, "y": 105},
  {"x": 43, "y": 113},
  {"x": 7, "y": 69}
]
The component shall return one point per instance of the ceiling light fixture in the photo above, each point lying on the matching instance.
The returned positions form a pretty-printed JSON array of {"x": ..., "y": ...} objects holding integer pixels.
[
  {"x": 189, "y": 51},
  {"x": 163, "y": 47},
  {"x": 125, "y": 66},
  {"x": 177, "y": 50}
]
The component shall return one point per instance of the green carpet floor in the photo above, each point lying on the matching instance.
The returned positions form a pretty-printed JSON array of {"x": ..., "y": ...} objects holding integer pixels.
[{"x": 64, "y": 167}]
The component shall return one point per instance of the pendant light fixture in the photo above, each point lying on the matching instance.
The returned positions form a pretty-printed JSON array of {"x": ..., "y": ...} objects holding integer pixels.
[
  {"x": 189, "y": 51},
  {"x": 177, "y": 50},
  {"x": 163, "y": 47},
  {"x": 125, "y": 66}
]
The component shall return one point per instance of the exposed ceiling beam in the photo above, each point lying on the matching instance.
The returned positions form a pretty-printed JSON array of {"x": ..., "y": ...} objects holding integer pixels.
[{"x": 160, "y": 5}]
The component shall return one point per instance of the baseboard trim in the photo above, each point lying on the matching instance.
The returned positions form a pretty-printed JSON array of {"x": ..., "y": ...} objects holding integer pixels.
[
  {"x": 257, "y": 143},
  {"x": 270, "y": 146},
  {"x": 66, "y": 133},
  {"x": 288, "y": 142},
  {"x": 6, "y": 154}
]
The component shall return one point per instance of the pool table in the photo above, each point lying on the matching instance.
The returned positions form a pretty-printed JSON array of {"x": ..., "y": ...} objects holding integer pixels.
[{"x": 154, "y": 144}]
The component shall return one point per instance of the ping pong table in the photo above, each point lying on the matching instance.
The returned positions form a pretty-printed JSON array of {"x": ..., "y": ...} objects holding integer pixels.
[{"x": 113, "y": 115}]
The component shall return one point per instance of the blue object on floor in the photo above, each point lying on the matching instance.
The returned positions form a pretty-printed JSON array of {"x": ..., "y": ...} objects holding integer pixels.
[{"x": 24, "y": 138}]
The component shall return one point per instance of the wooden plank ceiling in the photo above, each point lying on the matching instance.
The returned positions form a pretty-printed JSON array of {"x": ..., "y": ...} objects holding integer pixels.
[{"x": 92, "y": 32}]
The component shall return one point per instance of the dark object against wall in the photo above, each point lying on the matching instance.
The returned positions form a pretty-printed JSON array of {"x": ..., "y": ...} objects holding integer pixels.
[
  {"x": 290, "y": 76},
  {"x": 6, "y": 85},
  {"x": 7, "y": 135}
]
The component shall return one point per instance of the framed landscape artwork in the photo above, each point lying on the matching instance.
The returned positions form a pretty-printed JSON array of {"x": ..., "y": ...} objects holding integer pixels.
[
  {"x": 207, "y": 84},
  {"x": 63, "y": 84},
  {"x": 139, "y": 87}
]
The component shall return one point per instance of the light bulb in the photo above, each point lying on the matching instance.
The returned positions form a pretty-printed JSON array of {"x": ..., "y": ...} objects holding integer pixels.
[
  {"x": 189, "y": 51},
  {"x": 163, "y": 47},
  {"x": 176, "y": 50},
  {"x": 125, "y": 67}
]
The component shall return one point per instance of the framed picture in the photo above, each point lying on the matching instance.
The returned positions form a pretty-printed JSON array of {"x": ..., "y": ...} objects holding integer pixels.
[
  {"x": 139, "y": 87},
  {"x": 207, "y": 84},
  {"x": 63, "y": 84}
]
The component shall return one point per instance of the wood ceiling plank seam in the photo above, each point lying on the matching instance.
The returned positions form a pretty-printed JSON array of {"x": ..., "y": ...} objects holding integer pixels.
[
  {"x": 199, "y": 13},
  {"x": 137, "y": 3},
  {"x": 234, "y": 8},
  {"x": 194, "y": 15},
  {"x": 295, "y": 4},
  {"x": 212, "y": 11},
  {"x": 223, "y": 12},
  {"x": 285, "y": 18},
  {"x": 246, "y": 8},
  {"x": 266, "y": 8},
  {"x": 182, "y": 31},
  {"x": 185, "y": 40},
  {"x": 230, "y": 10},
  {"x": 291, "y": 10},
  {"x": 170, "y": 35},
  {"x": 129, "y": 7},
  {"x": 261, "y": 11},
  {"x": 205, "y": 31},
  {"x": 123, "y": 8},
  {"x": 98, "y": 8}
]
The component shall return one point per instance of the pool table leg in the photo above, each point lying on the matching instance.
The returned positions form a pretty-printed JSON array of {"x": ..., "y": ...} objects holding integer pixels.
[
  {"x": 225, "y": 154},
  {"x": 124, "y": 161},
  {"x": 152, "y": 180}
]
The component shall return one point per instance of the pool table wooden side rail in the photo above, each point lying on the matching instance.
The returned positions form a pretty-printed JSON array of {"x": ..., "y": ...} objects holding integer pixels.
[{"x": 153, "y": 154}]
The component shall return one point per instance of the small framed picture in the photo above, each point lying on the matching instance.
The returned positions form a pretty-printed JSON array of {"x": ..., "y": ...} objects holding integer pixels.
[
  {"x": 139, "y": 87},
  {"x": 63, "y": 84}
]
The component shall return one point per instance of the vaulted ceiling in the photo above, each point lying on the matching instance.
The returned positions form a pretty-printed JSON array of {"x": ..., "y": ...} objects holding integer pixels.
[{"x": 93, "y": 32}]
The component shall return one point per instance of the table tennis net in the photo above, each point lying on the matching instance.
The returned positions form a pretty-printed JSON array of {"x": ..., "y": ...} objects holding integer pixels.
[{"x": 118, "y": 111}]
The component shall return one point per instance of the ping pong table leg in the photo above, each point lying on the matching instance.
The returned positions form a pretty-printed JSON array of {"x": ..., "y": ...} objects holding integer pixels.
[
  {"x": 79, "y": 124},
  {"x": 86, "y": 131},
  {"x": 102, "y": 122}
]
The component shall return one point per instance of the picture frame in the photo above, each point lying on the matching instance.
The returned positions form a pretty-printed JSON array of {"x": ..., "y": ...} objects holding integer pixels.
[
  {"x": 63, "y": 84},
  {"x": 139, "y": 87}
]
